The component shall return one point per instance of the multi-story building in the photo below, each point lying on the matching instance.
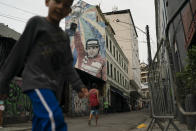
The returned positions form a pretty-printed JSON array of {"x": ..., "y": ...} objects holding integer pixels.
[
  {"x": 126, "y": 36},
  {"x": 98, "y": 57},
  {"x": 144, "y": 72},
  {"x": 144, "y": 84}
]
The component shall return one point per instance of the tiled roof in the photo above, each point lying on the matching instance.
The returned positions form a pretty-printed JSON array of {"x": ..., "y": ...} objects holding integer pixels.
[{"x": 5, "y": 31}]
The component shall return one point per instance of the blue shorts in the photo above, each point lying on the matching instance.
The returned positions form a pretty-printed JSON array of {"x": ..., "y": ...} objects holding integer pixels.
[
  {"x": 94, "y": 112},
  {"x": 48, "y": 115}
]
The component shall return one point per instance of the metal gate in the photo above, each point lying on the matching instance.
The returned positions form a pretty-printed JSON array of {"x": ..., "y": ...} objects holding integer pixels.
[
  {"x": 162, "y": 93},
  {"x": 162, "y": 82}
]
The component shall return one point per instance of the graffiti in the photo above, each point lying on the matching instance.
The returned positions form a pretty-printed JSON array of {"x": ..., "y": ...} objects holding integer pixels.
[
  {"x": 87, "y": 39},
  {"x": 17, "y": 104},
  {"x": 79, "y": 106}
]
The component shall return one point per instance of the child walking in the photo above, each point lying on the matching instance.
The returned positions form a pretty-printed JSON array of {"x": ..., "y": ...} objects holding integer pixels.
[
  {"x": 94, "y": 103},
  {"x": 44, "y": 51}
]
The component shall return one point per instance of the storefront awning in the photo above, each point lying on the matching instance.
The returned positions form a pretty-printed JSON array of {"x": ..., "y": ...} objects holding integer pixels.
[{"x": 117, "y": 91}]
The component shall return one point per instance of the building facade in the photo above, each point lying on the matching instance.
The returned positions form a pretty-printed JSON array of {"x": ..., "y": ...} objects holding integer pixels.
[
  {"x": 126, "y": 36},
  {"x": 98, "y": 58},
  {"x": 144, "y": 72},
  {"x": 101, "y": 55},
  {"x": 144, "y": 85},
  {"x": 181, "y": 30},
  {"x": 176, "y": 31}
]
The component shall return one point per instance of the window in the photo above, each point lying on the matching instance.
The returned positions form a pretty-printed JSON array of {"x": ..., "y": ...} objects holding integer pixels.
[
  {"x": 121, "y": 62},
  {"x": 126, "y": 83},
  {"x": 110, "y": 45},
  {"x": 106, "y": 41},
  {"x": 114, "y": 51},
  {"x": 123, "y": 80},
  {"x": 111, "y": 70},
  {"x": 116, "y": 55},
  {"x": 108, "y": 68},
  {"x": 120, "y": 79}
]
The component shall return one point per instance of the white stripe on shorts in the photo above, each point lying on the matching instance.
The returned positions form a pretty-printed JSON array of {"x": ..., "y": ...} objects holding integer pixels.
[{"x": 47, "y": 108}]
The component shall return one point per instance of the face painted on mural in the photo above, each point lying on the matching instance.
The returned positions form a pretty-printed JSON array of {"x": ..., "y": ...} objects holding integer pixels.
[
  {"x": 86, "y": 39},
  {"x": 92, "y": 48}
]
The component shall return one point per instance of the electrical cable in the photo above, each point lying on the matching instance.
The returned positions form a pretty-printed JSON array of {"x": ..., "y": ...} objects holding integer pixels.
[
  {"x": 25, "y": 11},
  {"x": 11, "y": 17}
]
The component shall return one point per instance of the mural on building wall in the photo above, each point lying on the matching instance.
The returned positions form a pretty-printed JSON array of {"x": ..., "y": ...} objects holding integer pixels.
[{"x": 86, "y": 39}]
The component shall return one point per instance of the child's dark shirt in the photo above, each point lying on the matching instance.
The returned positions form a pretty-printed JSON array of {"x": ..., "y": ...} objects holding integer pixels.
[{"x": 44, "y": 51}]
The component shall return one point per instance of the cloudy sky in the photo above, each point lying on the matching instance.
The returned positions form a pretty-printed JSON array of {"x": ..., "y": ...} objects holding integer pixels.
[{"x": 15, "y": 14}]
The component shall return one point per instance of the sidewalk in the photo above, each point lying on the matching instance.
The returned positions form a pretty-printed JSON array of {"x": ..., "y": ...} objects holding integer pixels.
[
  {"x": 18, "y": 127},
  {"x": 144, "y": 126}
]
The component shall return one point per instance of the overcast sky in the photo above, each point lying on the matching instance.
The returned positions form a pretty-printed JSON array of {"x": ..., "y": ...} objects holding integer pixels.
[{"x": 15, "y": 14}]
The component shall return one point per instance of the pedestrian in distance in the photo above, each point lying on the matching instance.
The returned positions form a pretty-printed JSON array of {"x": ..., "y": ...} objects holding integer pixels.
[
  {"x": 44, "y": 52},
  {"x": 94, "y": 103},
  {"x": 106, "y": 106}
]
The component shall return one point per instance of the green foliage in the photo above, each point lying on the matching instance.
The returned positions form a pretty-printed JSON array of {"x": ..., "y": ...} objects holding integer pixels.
[{"x": 187, "y": 78}]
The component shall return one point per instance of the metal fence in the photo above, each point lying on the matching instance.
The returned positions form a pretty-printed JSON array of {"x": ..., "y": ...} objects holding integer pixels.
[
  {"x": 165, "y": 95},
  {"x": 162, "y": 93}
]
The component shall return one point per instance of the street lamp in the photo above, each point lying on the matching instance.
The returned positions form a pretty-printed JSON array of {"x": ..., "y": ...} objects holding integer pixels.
[
  {"x": 117, "y": 20},
  {"x": 147, "y": 38}
]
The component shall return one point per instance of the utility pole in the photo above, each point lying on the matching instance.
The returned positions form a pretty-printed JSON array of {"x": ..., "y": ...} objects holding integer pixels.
[
  {"x": 150, "y": 69},
  {"x": 148, "y": 45}
]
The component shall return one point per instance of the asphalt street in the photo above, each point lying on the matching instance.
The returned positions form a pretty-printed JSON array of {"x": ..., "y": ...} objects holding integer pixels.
[
  {"x": 108, "y": 122},
  {"x": 127, "y": 121}
]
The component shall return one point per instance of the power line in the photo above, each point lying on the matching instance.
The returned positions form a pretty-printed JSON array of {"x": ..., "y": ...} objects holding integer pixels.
[
  {"x": 13, "y": 18},
  {"x": 119, "y": 21},
  {"x": 16, "y": 18},
  {"x": 25, "y": 11}
]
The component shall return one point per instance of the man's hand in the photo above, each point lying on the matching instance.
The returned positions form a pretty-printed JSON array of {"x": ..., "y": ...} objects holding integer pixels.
[{"x": 83, "y": 93}]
